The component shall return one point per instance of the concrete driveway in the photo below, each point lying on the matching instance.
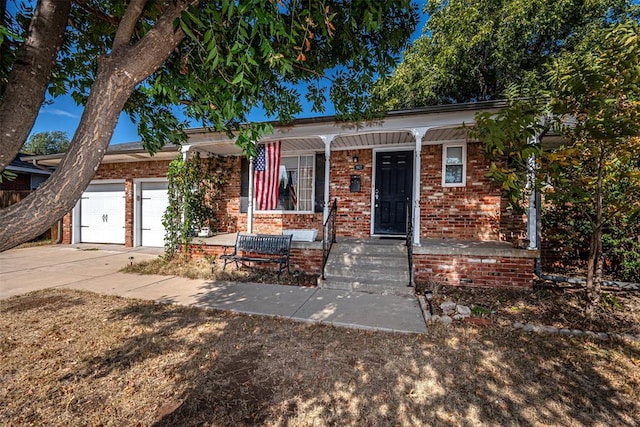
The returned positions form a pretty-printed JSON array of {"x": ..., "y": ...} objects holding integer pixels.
[{"x": 96, "y": 268}]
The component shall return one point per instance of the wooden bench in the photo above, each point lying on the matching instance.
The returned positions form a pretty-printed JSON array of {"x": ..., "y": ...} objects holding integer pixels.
[{"x": 259, "y": 248}]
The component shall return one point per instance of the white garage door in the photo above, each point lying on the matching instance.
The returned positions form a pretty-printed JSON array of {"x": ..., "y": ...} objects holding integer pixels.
[
  {"x": 154, "y": 202},
  {"x": 102, "y": 214}
]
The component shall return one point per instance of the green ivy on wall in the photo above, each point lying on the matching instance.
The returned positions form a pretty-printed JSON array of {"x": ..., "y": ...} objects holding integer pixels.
[{"x": 194, "y": 187}]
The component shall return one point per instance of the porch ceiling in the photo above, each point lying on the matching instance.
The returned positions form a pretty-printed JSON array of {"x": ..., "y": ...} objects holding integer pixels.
[
  {"x": 438, "y": 135},
  {"x": 345, "y": 141},
  {"x": 289, "y": 145},
  {"x": 372, "y": 139}
]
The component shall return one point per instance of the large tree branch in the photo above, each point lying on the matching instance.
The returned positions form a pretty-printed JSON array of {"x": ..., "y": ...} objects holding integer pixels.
[
  {"x": 117, "y": 76},
  {"x": 128, "y": 23},
  {"x": 30, "y": 76}
]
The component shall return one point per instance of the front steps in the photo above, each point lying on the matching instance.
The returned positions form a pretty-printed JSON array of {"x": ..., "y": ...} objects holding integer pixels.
[{"x": 373, "y": 266}]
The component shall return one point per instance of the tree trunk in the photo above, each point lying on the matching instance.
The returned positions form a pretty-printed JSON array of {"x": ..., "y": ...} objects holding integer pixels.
[
  {"x": 594, "y": 264},
  {"x": 30, "y": 76},
  {"x": 117, "y": 76}
]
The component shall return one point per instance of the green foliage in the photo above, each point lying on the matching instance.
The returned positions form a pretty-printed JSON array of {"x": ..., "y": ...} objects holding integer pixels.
[
  {"x": 47, "y": 143},
  {"x": 474, "y": 51},
  {"x": 7, "y": 175},
  {"x": 240, "y": 55},
  {"x": 567, "y": 229},
  {"x": 609, "y": 302},
  {"x": 592, "y": 102},
  {"x": 194, "y": 186}
]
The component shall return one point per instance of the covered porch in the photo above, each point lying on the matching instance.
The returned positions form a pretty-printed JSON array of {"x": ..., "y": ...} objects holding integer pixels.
[{"x": 418, "y": 165}]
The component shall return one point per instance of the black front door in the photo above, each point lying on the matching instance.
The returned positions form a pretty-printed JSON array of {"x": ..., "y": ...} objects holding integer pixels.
[{"x": 392, "y": 193}]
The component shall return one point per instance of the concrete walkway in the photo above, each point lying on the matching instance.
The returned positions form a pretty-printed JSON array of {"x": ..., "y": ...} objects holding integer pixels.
[{"x": 95, "y": 268}]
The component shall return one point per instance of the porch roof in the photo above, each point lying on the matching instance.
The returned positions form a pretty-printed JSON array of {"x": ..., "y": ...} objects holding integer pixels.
[{"x": 435, "y": 125}]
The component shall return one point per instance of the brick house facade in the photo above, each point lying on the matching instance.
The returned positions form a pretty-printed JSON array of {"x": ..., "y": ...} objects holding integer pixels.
[{"x": 463, "y": 234}]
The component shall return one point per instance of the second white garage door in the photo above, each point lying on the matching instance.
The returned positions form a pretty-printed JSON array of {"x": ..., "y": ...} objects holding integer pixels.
[
  {"x": 102, "y": 214},
  {"x": 153, "y": 201}
]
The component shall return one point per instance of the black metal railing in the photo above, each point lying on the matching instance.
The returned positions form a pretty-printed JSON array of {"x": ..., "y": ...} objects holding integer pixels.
[
  {"x": 329, "y": 234},
  {"x": 410, "y": 241}
]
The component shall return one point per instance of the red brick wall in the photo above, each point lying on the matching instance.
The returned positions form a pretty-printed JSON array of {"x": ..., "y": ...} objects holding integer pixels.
[
  {"x": 354, "y": 209},
  {"x": 464, "y": 270},
  {"x": 66, "y": 229},
  {"x": 228, "y": 218},
  {"x": 131, "y": 170},
  {"x": 473, "y": 212},
  {"x": 306, "y": 260}
]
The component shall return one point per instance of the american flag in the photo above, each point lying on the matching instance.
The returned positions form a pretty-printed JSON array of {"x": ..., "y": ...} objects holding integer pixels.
[{"x": 267, "y": 169}]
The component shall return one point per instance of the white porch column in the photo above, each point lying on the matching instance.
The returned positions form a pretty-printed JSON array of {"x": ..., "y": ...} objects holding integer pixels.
[
  {"x": 184, "y": 149},
  {"x": 534, "y": 200},
  {"x": 250, "y": 199},
  {"x": 418, "y": 134},
  {"x": 327, "y": 171}
]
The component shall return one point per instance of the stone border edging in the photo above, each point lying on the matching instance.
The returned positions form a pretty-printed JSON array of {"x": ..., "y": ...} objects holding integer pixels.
[{"x": 530, "y": 327}]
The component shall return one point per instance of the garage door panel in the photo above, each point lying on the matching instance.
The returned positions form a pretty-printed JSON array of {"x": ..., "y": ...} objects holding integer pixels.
[
  {"x": 102, "y": 214},
  {"x": 154, "y": 202}
]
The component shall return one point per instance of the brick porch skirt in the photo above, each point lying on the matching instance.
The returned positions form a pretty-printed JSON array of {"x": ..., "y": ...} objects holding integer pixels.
[
  {"x": 511, "y": 269},
  {"x": 461, "y": 270}
]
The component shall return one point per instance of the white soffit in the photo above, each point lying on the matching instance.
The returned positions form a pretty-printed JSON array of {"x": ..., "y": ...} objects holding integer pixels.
[
  {"x": 438, "y": 135},
  {"x": 372, "y": 139}
]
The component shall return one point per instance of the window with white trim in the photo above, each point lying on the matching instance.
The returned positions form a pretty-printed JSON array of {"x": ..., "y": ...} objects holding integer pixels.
[
  {"x": 302, "y": 189},
  {"x": 454, "y": 162},
  {"x": 295, "y": 192}
]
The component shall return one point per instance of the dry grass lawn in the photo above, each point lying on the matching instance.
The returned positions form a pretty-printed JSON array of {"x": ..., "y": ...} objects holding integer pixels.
[{"x": 77, "y": 358}]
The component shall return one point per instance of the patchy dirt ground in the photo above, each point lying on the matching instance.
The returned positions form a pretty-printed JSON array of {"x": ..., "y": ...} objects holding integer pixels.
[
  {"x": 559, "y": 306},
  {"x": 76, "y": 358}
]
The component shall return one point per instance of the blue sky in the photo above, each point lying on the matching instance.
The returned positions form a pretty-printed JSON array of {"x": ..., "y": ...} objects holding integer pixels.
[{"x": 62, "y": 114}]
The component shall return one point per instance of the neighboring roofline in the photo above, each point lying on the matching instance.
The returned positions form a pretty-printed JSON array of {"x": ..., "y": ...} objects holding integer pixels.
[
  {"x": 35, "y": 170},
  {"x": 127, "y": 148}
]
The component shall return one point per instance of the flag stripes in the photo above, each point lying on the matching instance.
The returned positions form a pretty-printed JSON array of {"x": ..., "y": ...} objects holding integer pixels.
[{"x": 267, "y": 175}]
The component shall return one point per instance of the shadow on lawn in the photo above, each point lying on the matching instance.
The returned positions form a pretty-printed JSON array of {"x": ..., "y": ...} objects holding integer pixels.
[{"x": 252, "y": 370}]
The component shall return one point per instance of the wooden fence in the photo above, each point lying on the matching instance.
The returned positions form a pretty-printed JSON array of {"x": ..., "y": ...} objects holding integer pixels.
[{"x": 10, "y": 197}]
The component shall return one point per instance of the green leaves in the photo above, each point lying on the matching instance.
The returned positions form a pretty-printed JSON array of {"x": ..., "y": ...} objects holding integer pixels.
[
  {"x": 473, "y": 51},
  {"x": 194, "y": 188},
  {"x": 237, "y": 56},
  {"x": 47, "y": 143},
  {"x": 590, "y": 170}
]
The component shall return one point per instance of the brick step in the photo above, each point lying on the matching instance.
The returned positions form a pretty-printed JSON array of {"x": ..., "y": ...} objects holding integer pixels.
[
  {"x": 370, "y": 274},
  {"x": 368, "y": 267},
  {"x": 369, "y": 264},
  {"x": 369, "y": 260},
  {"x": 364, "y": 249}
]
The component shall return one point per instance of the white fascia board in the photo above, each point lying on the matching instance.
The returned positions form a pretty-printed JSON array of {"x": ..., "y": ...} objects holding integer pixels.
[
  {"x": 28, "y": 170},
  {"x": 386, "y": 124}
]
